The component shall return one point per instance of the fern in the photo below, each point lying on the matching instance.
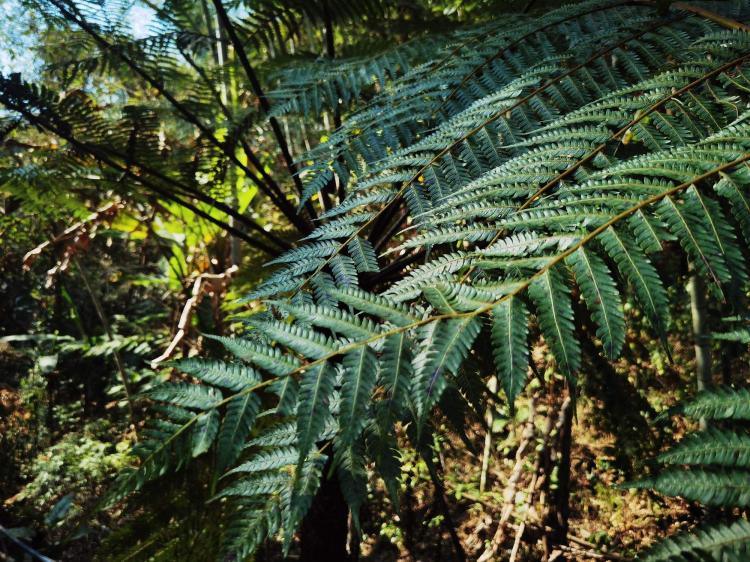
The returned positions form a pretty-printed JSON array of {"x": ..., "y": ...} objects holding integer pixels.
[
  {"x": 711, "y": 467},
  {"x": 487, "y": 188}
]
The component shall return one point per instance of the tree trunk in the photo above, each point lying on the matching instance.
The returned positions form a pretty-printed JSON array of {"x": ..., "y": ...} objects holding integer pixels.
[
  {"x": 325, "y": 528},
  {"x": 562, "y": 497},
  {"x": 697, "y": 291}
]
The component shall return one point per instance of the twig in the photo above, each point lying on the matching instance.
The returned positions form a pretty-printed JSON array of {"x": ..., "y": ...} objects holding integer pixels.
[
  {"x": 187, "y": 311},
  {"x": 709, "y": 15},
  {"x": 94, "y": 217},
  {"x": 588, "y": 553}
]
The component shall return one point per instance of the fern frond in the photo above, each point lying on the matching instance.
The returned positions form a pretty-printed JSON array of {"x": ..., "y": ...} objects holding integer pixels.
[
  {"x": 718, "y": 404},
  {"x": 710, "y": 543},
  {"x": 204, "y": 432},
  {"x": 360, "y": 374},
  {"x": 187, "y": 395},
  {"x": 602, "y": 298},
  {"x": 267, "y": 358},
  {"x": 315, "y": 393},
  {"x": 720, "y": 487},
  {"x": 551, "y": 295},
  {"x": 228, "y": 375},
  {"x": 235, "y": 428},
  {"x": 710, "y": 447},
  {"x": 510, "y": 346}
]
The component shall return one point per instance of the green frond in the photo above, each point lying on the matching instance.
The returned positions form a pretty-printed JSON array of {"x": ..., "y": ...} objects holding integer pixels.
[
  {"x": 306, "y": 483},
  {"x": 721, "y": 403},
  {"x": 499, "y": 170},
  {"x": 351, "y": 471},
  {"x": 510, "y": 328},
  {"x": 228, "y": 375},
  {"x": 730, "y": 189},
  {"x": 637, "y": 269},
  {"x": 362, "y": 252},
  {"x": 551, "y": 295},
  {"x": 304, "y": 341},
  {"x": 374, "y": 305},
  {"x": 719, "y": 487},
  {"x": 272, "y": 459},
  {"x": 710, "y": 447},
  {"x": 187, "y": 395},
  {"x": 396, "y": 372},
  {"x": 360, "y": 374},
  {"x": 261, "y": 484},
  {"x": 444, "y": 346},
  {"x": 602, "y": 298},
  {"x": 711, "y": 543},
  {"x": 267, "y": 358},
  {"x": 334, "y": 319},
  {"x": 235, "y": 428},
  {"x": 715, "y": 464},
  {"x": 204, "y": 431},
  {"x": 315, "y": 393}
]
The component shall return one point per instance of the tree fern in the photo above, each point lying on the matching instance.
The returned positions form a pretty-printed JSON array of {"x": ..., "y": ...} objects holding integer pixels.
[{"x": 554, "y": 159}]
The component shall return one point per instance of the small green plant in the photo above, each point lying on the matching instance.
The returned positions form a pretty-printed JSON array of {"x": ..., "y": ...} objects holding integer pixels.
[{"x": 65, "y": 476}]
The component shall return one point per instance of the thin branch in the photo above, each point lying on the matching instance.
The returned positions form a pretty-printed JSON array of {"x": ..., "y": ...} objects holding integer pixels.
[
  {"x": 23, "y": 546},
  {"x": 709, "y": 15},
  {"x": 258, "y": 90}
]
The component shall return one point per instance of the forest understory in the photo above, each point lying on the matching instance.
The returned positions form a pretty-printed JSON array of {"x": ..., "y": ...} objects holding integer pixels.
[{"x": 375, "y": 280}]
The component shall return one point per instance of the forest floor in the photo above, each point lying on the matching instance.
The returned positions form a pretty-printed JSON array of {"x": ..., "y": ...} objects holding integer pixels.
[
  {"x": 605, "y": 522},
  {"x": 510, "y": 517},
  {"x": 615, "y": 432}
]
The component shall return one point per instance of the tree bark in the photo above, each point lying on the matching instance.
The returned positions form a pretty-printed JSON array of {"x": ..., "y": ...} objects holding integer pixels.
[
  {"x": 325, "y": 528},
  {"x": 697, "y": 292}
]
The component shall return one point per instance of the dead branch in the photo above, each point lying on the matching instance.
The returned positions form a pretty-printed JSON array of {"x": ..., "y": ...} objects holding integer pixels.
[
  {"x": 187, "y": 311},
  {"x": 509, "y": 494}
]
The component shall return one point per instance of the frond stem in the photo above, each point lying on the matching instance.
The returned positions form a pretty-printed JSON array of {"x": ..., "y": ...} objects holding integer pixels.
[
  {"x": 264, "y": 104},
  {"x": 709, "y": 15}
]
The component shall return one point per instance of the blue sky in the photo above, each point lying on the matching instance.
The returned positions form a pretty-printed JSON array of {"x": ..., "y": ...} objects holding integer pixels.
[{"x": 15, "y": 52}]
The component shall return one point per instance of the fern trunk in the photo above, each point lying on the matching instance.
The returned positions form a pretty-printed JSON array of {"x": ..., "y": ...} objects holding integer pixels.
[
  {"x": 697, "y": 291},
  {"x": 325, "y": 528},
  {"x": 562, "y": 494}
]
